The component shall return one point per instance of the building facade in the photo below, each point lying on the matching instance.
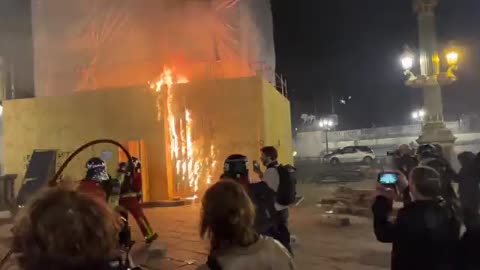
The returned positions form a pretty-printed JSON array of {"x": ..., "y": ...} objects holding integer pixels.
[
  {"x": 93, "y": 44},
  {"x": 212, "y": 120}
]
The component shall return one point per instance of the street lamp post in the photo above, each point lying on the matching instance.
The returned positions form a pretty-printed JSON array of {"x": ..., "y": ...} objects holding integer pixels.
[
  {"x": 326, "y": 124},
  {"x": 430, "y": 78}
]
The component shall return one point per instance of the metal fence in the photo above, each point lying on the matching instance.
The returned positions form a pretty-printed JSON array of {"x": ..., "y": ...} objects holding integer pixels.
[{"x": 381, "y": 132}]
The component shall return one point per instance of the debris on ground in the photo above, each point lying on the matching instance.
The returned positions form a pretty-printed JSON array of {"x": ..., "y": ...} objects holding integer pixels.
[
  {"x": 293, "y": 240},
  {"x": 334, "y": 220},
  {"x": 348, "y": 201}
]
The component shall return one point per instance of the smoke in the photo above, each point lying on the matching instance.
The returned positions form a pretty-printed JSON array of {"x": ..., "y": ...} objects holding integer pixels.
[{"x": 91, "y": 44}]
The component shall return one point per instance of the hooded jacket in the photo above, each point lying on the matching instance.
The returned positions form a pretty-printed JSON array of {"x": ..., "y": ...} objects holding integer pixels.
[{"x": 423, "y": 236}]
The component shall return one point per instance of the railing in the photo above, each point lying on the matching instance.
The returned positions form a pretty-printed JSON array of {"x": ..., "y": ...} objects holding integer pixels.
[
  {"x": 268, "y": 73},
  {"x": 381, "y": 132}
]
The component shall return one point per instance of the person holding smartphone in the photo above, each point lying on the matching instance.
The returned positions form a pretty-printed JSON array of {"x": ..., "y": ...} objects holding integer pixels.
[
  {"x": 236, "y": 169},
  {"x": 424, "y": 234},
  {"x": 273, "y": 178},
  {"x": 404, "y": 160}
]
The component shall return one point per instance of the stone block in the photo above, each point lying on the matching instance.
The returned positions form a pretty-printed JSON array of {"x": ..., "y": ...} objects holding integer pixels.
[
  {"x": 328, "y": 201},
  {"x": 333, "y": 220},
  {"x": 342, "y": 208}
]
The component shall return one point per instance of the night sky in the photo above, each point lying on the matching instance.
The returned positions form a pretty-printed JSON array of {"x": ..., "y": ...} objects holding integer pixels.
[
  {"x": 347, "y": 47},
  {"x": 352, "y": 47}
]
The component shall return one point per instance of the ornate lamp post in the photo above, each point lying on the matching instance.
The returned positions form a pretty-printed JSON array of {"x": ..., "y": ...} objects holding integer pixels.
[
  {"x": 326, "y": 124},
  {"x": 430, "y": 78}
]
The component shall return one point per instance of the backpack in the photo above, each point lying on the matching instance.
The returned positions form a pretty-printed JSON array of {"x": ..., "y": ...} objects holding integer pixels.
[
  {"x": 287, "y": 189},
  {"x": 263, "y": 198}
]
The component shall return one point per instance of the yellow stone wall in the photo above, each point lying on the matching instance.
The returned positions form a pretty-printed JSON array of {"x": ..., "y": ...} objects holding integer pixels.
[
  {"x": 277, "y": 123},
  {"x": 234, "y": 115},
  {"x": 65, "y": 123}
]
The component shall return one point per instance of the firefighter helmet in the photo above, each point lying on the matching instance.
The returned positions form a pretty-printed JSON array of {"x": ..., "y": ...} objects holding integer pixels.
[
  {"x": 136, "y": 163},
  {"x": 236, "y": 166},
  {"x": 123, "y": 167},
  {"x": 96, "y": 169}
]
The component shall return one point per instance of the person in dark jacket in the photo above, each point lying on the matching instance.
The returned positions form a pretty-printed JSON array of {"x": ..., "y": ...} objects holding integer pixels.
[
  {"x": 424, "y": 234},
  {"x": 468, "y": 250},
  {"x": 236, "y": 168},
  {"x": 469, "y": 244},
  {"x": 404, "y": 160},
  {"x": 468, "y": 189},
  {"x": 447, "y": 177}
]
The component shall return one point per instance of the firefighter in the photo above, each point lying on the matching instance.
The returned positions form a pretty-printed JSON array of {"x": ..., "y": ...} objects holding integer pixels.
[
  {"x": 93, "y": 183},
  {"x": 118, "y": 192},
  {"x": 137, "y": 175},
  {"x": 99, "y": 185},
  {"x": 130, "y": 196}
]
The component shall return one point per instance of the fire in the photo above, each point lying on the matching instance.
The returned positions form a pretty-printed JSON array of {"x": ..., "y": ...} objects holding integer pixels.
[
  {"x": 213, "y": 162},
  {"x": 167, "y": 78},
  {"x": 191, "y": 162}
]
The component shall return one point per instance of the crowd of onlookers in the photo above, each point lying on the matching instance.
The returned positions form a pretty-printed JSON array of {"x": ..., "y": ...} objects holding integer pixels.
[
  {"x": 435, "y": 228},
  {"x": 246, "y": 222}
]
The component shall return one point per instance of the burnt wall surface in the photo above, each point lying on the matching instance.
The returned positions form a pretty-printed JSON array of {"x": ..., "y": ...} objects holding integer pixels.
[{"x": 93, "y": 44}]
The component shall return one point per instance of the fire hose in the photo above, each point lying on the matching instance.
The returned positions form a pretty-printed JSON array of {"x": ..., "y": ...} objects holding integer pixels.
[
  {"x": 54, "y": 181},
  {"x": 56, "y": 178}
]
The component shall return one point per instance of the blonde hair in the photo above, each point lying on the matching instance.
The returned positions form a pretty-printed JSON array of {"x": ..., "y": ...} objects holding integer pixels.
[{"x": 227, "y": 216}]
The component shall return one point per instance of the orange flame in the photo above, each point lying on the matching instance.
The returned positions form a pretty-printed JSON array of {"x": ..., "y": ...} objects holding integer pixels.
[
  {"x": 189, "y": 165},
  {"x": 167, "y": 78}
]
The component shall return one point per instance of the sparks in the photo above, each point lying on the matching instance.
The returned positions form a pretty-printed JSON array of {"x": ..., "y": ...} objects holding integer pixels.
[{"x": 191, "y": 163}]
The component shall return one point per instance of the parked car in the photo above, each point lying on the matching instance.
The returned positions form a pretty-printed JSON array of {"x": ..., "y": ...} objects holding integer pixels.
[{"x": 351, "y": 154}]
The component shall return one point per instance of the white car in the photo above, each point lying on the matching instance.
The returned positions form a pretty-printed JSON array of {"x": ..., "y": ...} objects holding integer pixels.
[{"x": 351, "y": 154}]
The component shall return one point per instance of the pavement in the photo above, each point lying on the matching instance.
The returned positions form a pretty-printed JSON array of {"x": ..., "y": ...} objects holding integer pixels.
[{"x": 319, "y": 244}]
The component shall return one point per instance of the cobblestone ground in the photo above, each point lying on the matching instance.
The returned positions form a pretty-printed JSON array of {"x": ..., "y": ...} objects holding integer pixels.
[{"x": 319, "y": 246}]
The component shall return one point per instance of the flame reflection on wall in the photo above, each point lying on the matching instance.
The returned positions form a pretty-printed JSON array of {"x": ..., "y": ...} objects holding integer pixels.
[{"x": 192, "y": 164}]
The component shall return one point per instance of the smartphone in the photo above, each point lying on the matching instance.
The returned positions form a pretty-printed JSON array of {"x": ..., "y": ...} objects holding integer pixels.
[
  {"x": 388, "y": 178},
  {"x": 256, "y": 165}
]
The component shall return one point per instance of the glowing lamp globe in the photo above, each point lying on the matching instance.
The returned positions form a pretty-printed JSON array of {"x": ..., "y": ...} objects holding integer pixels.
[
  {"x": 452, "y": 58},
  {"x": 407, "y": 61},
  {"x": 421, "y": 113}
]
